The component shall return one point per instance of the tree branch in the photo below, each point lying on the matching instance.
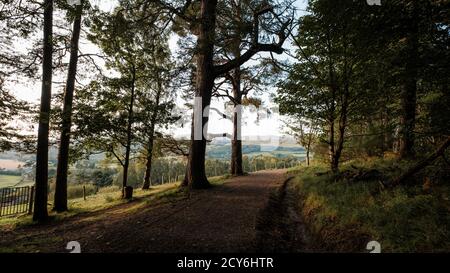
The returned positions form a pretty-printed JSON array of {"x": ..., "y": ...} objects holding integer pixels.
[
  {"x": 180, "y": 12},
  {"x": 256, "y": 47}
]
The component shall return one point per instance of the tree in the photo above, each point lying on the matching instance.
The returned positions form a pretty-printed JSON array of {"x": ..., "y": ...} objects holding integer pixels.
[
  {"x": 412, "y": 35},
  {"x": 60, "y": 200},
  {"x": 234, "y": 27},
  {"x": 305, "y": 132},
  {"x": 19, "y": 21},
  {"x": 114, "y": 34},
  {"x": 140, "y": 95},
  {"x": 323, "y": 86},
  {"x": 155, "y": 107},
  {"x": 203, "y": 25},
  {"x": 40, "y": 204}
]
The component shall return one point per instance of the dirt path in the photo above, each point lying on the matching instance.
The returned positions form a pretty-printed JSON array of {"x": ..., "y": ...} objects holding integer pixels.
[{"x": 221, "y": 219}]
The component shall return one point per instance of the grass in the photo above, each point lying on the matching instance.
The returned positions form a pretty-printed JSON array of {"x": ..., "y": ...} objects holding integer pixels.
[
  {"x": 109, "y": 197},
  {"x": 343, "y": 215},
  {"x": 9, "y": 180}
]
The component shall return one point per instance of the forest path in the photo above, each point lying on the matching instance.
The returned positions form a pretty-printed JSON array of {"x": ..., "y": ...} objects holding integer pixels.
[{"x": 217, "y": 220}]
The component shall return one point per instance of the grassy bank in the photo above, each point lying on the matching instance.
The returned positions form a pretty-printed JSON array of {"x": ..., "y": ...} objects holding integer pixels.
[{"x": 343, "y": 214}]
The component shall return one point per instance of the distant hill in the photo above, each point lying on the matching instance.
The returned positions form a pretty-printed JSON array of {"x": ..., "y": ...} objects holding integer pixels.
[{"x": 214, "y": 151}]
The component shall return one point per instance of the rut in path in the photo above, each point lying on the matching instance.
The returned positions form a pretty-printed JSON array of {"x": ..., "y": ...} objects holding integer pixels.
[
  {"x": 280, "y": 227},
  {"x": 221, "y": 219}
]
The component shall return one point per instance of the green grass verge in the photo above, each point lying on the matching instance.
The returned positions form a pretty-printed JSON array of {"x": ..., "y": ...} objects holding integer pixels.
[{"x": 344, "y": 215}]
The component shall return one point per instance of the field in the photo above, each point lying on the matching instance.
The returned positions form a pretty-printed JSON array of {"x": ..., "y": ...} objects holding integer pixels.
[
  {"x": 10, "y": 164},
  {"x": 278, "y": 154},
  {"x": 9, "y": 180},
  {"x": 251, "y": 150}
]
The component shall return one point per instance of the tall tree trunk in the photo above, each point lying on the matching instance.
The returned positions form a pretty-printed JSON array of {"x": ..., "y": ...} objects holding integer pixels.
[
  {"x": 40, "y": 202},
  {"x": 331, "y": 146},
  {"x": 185, "y": 181},
  {"x": 148, "y": 170},
  {"x": 342, "y": 127},
  {"x": 148, "y": 166},
  {"x": 409, "y": 97},
  {"x": 196, "y": 176},
  {"x": 236, "y": 143},
  {"x": 60, "y": 203},
  {"x": 308, "y": 147},
  {"x": 129, "y": 133}
]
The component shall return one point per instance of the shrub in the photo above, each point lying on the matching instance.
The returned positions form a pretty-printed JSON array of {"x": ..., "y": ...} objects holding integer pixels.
[{"x": 109, "y": 198}]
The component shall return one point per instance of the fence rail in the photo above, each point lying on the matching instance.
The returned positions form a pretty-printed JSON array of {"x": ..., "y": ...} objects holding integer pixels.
[{"x": 16, "y": 200}]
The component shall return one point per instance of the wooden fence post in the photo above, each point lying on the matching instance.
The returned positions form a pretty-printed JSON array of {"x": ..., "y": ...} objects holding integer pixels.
[
  {"x": 31, "y": 201},
  {"x": 1, "y": 202},
  {"x": 84, "y": 192}
]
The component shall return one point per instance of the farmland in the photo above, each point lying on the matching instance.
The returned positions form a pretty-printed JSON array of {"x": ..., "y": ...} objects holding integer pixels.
[{"x": 9, "y": 180}]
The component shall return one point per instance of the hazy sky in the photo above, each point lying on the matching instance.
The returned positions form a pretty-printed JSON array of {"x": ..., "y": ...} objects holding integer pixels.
[{"x": 250, "y": 127}]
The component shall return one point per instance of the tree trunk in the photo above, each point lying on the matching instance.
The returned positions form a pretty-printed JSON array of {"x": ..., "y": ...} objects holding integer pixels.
[
  {"x": 148, "y": 166},
  {"x": 129, "y": 134},
  {"x": 60, "y": 203},
  {"x": 331, "y": 146},
  {"x": 308, "y": 148},
  {"x": 148, "y": 170},
  {"x": 342, "y": 127},
  {"x": 236, "y": 143},
  {"x": 409, "y": 97},
  {"x": 40, "y": 202},
  {"x": 185, "y": 181},
  {"x": 423, "y": 163},
  {"x": 196, "y": 176}
]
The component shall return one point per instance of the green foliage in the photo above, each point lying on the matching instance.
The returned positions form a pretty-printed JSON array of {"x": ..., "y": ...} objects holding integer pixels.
[
  {"x": 134, "y": 176},
  {"x": 103, "y": 178},
  {"x": 357, "y": 60},
  {"x": 124, "y": 112}
]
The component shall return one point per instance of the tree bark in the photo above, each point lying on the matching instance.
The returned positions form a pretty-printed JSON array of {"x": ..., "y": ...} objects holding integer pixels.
[
  {"x": 40, "y": 202},
  {"x": 196, "y": 175},
  {"x": 148, "y": 166},
  {"x": 236, "y": 143},
  {"x": 308, "y": 148},
  {"x": 60, "y": 203}
]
